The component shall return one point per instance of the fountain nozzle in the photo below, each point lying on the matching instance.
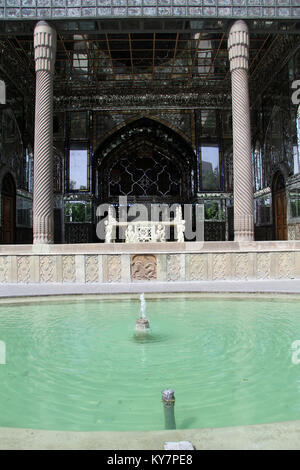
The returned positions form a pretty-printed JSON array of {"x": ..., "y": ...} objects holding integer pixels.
[{"x": 142, "y": 324}]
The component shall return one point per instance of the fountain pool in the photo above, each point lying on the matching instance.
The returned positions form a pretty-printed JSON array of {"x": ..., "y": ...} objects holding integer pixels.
[{"x": 77, "y": 365}]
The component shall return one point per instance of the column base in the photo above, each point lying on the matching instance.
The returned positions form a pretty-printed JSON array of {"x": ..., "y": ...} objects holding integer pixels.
[{"x": 243, "y": 228}]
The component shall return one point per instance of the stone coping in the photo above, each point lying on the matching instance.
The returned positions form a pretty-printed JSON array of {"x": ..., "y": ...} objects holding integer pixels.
[
  {"x": 159, "y": 247},
  {"x": 283, "y": 289},
  {"x": 273, "y": 436}
]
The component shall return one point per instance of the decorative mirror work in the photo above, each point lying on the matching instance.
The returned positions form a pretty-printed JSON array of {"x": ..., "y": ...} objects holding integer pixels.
[
  {"x": 12, "y": 155},
  {"x": 145, "y": 160},
  {"x": 294, "y": 197},
  {"x": 278, "y": 148},
  {"x": 263, "y": 210},
  {"x": 146, "y": 173}
]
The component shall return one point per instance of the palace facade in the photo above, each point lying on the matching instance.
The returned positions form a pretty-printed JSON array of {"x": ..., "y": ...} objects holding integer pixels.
[{"x": 158, "y": 102}]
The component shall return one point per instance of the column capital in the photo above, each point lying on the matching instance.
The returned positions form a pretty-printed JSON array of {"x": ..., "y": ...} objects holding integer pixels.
[
  {"x": 238, "y": 46},
  {"x": 44, "y": 47}
]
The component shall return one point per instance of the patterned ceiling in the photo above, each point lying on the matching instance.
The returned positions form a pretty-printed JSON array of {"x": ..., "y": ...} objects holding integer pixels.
[{"x": 167, "y": 55}]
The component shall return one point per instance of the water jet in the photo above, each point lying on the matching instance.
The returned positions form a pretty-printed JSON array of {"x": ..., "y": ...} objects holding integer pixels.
[{"x": 142, "y": 324}]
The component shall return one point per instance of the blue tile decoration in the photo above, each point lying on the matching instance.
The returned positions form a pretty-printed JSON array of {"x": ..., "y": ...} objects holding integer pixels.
[
  {"x": 269, "y": 12},
  {"x": 28, "y": 12},
  {"x": 179, "y": 11},
  {"x": 134, "y": 11},
  {"x": 28, "y": 3},
  {"x": 119, "y": 3},
  {"x": 73, "y": 12},
  {"x": 43, "y": 12},
  {"x": 103, "y": 12},
  {"x": 164, "y": 11},
  {"x": 209, "y": 11},
  {"x": 58, "y": 3},
  {"x": 163, "y": 2},
  {"x": 225, "y": 11},
  {"x": 283, "y": 12},
  {"x": 13, "y": 3},
  {"x": 149, "y": 8},
  {"x": 195, "y": 2},
  {"x": 195, "y": 11},
  {"x": 149, "y": 11},
  {"x": 44, "y": 3},
  {"x": 119, "y": 11},
  {"x": 89, "y": 11},
  {"x": 13, "y": 12},
  {"x": 73, "y": 3},
  {"x": 240, "y": 12},
  {"x": 58, "y": 12},
  {"x": 254, "y": 12}
]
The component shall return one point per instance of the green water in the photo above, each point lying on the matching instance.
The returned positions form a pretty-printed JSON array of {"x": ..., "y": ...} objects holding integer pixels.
[{"x": 78, "y": 366}]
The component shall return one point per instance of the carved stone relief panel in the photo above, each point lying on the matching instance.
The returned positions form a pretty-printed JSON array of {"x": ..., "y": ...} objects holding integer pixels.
[
  {"x": 285, "y": 265},
  {"x": 47, "y": 269},
  {"x": 196, "y": 267},
  {"x": 241, "y": 265},
  {"x": 263, "y": 265},
  {"x": 91, "y": 268},
  {"x": 221, "y": 266},
  {"x": 294, "y": 232},
  {"x": 23, "y": 269},
  {"x": 69, "y": 271},
  {"x": 113, "y": 268},
  {"x": 143, "y": 267},
  {"x": 173, "y": 267},
  {"x": 3, "y": 269}
]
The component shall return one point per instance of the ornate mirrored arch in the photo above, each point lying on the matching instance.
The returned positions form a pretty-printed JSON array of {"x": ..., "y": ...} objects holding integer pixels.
[{"x": 144, "y": 160}]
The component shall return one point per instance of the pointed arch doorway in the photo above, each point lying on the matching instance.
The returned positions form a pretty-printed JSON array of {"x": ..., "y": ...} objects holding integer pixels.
[
  {"x": 8, "y": 204},
  {"x": 147, "y": 162},
  {"x": 279, "y": 198}
]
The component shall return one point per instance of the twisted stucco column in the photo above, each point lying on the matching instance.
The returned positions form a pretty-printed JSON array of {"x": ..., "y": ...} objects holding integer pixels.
[
  {"x": 44, "y": 54},
  {"x": 238, "y": 47}
]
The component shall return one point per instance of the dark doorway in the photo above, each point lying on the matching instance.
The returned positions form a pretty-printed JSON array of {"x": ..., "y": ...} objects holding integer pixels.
[
  {"x": 8, "y": 198},
  {"x": 279, "y": 204}
]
